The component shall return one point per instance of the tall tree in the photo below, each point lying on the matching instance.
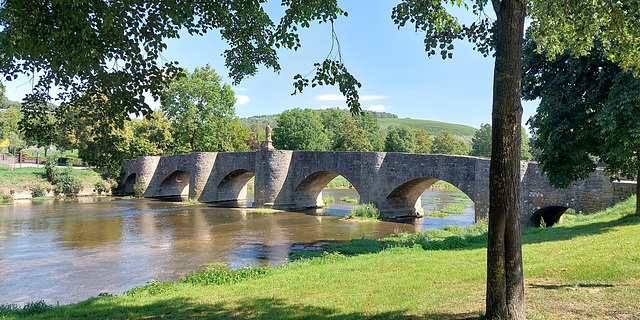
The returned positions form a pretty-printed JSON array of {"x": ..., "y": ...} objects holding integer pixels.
[
  {"x": 367, "y": 121},
  {"x": 400, "y": 139},
  {"x": 201, "y": 110},
  {"x": 151, "y": 135},
  {"x": 445, "y": 143},
  {"x": 351, "y": 138},
  {"x": 332, "y": 120},
  {"x": 481, "y": 143},
  {"x": 560, "y": 25},
  {"x": 424, "y": 143},
  {"x": 113, "y": 48},
  {"x": 589, "y": 113},
  {"x": 300, "y": 130}
]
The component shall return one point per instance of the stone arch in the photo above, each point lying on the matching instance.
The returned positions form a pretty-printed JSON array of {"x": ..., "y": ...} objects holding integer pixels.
[
  {"x": 233, "y": 186},
  {"x": 308, "y": 193},
  {"x": 175, "y": 184},
  {"x": 550, "y": 214},
  {"x": 408, "y": 195},
  {"x": 129, "y": 182}
]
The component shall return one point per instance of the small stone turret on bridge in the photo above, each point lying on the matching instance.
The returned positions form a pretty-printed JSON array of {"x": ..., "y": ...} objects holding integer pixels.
[{"x": 392, "y": 181}]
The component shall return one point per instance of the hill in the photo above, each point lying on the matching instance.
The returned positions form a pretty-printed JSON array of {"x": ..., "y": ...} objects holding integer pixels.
[
  {"x": 386, "y": 120},
  {"x": 432, "y": 127}
]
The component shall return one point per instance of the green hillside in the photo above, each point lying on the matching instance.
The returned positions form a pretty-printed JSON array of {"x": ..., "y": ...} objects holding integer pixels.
[
  {"x": 432, "y": 127},
  {"x": 386, "y": 120}
]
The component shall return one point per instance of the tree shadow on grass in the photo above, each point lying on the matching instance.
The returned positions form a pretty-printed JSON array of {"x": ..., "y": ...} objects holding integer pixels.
[
  {"x": 462, "y": 242},
  {"x": 565, "y": 286},
  {"x": 246, "y": 308},
  {"x": 562, "y": 233}
]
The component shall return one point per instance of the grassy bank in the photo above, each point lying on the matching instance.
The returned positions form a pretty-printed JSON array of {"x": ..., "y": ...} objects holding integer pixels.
[
  {"x": 587, "y": 267},
  {"x": 22, "y": 180}
]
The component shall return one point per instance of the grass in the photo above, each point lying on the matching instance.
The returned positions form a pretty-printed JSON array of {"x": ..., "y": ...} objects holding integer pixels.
[
  {"x": 328, "y": 199},
  {"x": 366, "y": 211},
  {"x": 24, "y": 179},
  {"x": 447, "y": 209},
  {"x": 587, "y": 267},
  {"x": 262, "y": 210},
  {"x": 348, "y": 200}
]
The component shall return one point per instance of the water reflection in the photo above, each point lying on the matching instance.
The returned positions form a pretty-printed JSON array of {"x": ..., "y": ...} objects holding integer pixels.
[{"x": 67, "y": 251}]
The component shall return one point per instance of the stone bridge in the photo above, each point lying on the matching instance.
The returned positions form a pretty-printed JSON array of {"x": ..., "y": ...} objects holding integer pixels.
[{"x": 392, "y": 181}]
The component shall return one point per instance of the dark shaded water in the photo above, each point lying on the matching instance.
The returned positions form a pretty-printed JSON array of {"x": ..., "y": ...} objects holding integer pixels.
[{"x": 67, "y": 251}]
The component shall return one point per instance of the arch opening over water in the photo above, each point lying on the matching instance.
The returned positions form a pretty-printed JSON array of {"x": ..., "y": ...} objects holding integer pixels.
[
  {"x": 234, "y": 187},
  {"x": 548, "y": 216},
  {"x": 433, "y": 199},
  {"x": 127, "y": 188},
  {"x": 309, "y": 192},
  {"x": 175, "y": 185}
]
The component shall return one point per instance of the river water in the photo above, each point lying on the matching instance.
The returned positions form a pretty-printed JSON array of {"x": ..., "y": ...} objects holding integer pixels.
[{"x": 65, "y": 251}]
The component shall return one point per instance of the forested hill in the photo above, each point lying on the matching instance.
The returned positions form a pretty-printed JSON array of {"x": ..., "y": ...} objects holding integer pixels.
[{"x": 387, "y": 120}]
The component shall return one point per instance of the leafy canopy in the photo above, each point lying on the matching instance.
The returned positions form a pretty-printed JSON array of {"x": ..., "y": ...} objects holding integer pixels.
[
  {"x": 202, "y": 113},
  {"x": 300, "y": 130},
  {"x": 114, "y": 48},
  {"x": 589, "y": 113}
]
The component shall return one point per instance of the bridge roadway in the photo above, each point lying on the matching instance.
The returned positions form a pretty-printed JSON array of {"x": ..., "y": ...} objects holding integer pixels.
[{"x": 392, "y": 181}]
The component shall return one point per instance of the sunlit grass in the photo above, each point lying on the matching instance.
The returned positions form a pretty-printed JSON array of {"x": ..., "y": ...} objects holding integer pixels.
[{"x": 587, "y": 267}]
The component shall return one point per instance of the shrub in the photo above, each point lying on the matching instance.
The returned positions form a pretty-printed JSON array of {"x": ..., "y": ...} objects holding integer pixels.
[
  {"x": 328, "y": 199},
  {"x": 38, "y": 191},
  {"x": 50, "y": 163},
  {"x": 366, "y": 211},
  {"x": 66, "y": 183},
  {"x": 138, "y": 187},
  {"x": 101, "y": 187}
]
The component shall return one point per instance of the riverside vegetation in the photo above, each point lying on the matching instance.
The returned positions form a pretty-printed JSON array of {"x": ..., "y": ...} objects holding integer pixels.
[
  {"x": 588, "y": 266},
  {"x": 34, "y": 181}
]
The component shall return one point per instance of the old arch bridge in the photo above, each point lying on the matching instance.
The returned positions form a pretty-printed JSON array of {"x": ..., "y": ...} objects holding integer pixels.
[{"x": 392, "y": 181}]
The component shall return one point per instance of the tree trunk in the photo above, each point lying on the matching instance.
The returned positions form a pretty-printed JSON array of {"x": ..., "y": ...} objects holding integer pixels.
[{"x": 505, "y": 288}]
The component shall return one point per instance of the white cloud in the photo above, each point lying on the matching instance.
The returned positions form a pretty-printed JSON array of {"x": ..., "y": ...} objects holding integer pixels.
[
  {"x": 240, "y": 99},
  {"x": 377, "y": 107},
  {"x": 339, "y": 97}
]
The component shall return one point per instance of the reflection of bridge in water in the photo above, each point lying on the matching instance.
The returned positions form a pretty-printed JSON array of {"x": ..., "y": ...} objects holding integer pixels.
[{"x": 392, "y": 181}]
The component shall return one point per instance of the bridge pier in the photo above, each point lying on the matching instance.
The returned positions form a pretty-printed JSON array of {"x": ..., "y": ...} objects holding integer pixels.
[{"x": 271, "y": 170}]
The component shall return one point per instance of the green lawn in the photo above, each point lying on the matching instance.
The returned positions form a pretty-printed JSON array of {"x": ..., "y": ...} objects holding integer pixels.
[
  {"x": 22, "y": 179},
  {"x": 587, "y": 267}
]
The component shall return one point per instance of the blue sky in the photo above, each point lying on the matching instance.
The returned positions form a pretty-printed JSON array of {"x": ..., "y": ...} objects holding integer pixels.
[{"x": 392, "y": 65}]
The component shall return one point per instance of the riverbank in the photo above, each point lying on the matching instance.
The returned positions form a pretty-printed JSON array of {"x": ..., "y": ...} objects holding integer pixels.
[
  {"x": 585, "y": 267},
  {"x": 18, "y": 183}
]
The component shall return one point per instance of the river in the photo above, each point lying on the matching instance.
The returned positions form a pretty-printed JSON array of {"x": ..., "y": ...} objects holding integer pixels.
[{"x": 65, "y": 251}]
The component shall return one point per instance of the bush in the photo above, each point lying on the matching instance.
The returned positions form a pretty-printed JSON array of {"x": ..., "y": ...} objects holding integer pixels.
[
  {"x": 38, "y": 191},
  {"x": 366, "y": 211},
  {"x": 328, "y": 199},
  {"x": 138, "y": 187},
  {"x": 66, "y": 183},
  {"x": 50, "y": 163},
  {"x": 101, "y": 187}
]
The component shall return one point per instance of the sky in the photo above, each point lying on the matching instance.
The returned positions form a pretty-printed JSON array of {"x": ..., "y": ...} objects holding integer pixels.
[{"x": 396, "y": 74}]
